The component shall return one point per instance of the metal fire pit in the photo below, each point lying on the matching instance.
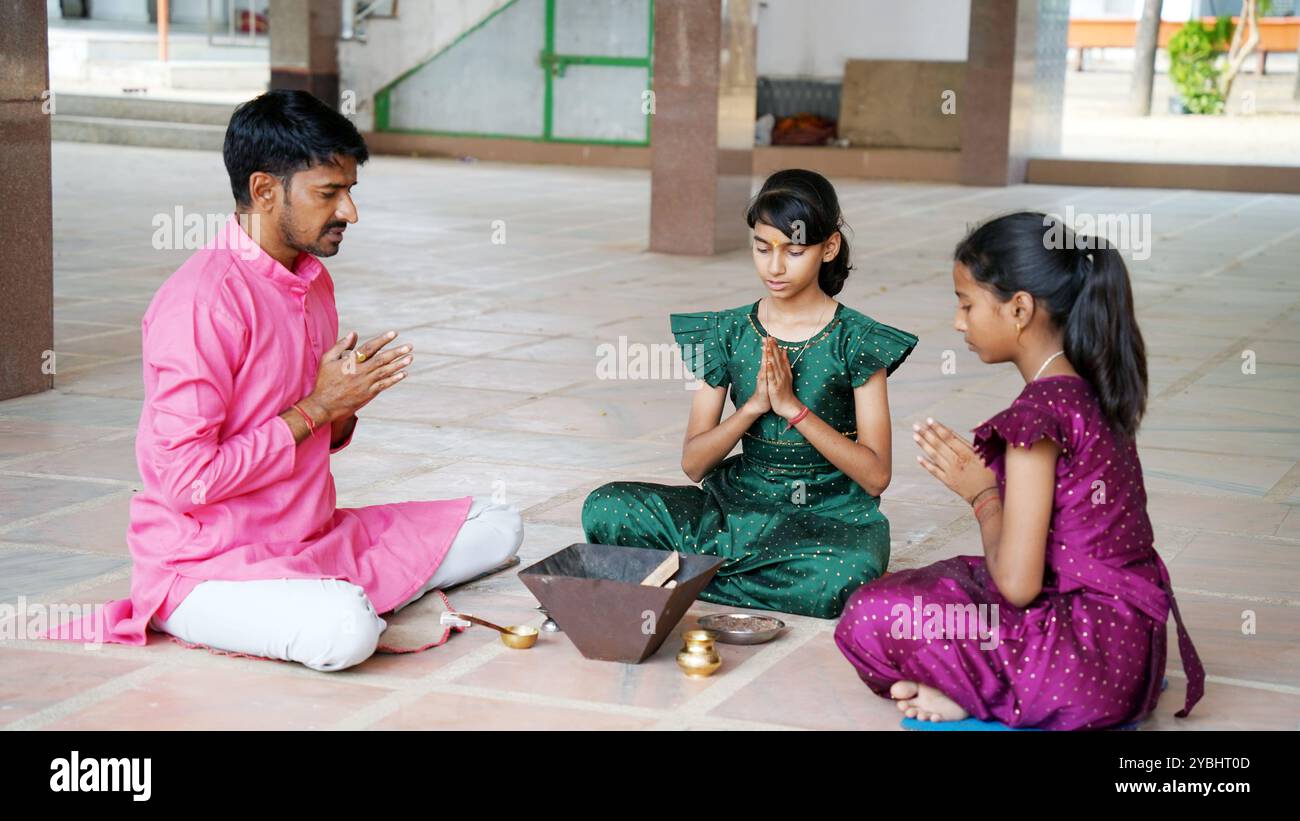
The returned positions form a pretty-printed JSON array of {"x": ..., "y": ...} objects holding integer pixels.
[{"x": 594, "y": 592}]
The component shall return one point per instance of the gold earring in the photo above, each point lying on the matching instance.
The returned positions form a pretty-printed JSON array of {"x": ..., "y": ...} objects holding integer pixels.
[{"x": 1018, "y": 329}]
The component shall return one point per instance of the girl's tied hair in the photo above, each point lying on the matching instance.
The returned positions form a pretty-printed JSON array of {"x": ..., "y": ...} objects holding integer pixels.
[
  {"x": 1083, "y": 284},
  {"x": 802, "y": 205}
]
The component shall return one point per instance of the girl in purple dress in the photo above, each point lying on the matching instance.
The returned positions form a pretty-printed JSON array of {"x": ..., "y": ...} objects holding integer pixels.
[{"x": 1061, "y": 623}]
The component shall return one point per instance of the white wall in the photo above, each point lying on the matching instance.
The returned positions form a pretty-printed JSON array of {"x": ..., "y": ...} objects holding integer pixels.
[
  {"x": 182, "y": 11},
  {"x": 196, "y": 11},
  {"x": 813, "y": 38},
  {"x": 421, "y": 29},
  {"x": 133, "y": 11}
]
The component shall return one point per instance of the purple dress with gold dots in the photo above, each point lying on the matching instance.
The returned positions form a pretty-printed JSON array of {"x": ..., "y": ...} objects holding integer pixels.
[{"x": 1089, "y": 651}]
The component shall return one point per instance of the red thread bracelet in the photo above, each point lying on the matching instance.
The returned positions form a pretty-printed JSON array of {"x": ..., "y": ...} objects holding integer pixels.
[
  {"x": 311, "y": 426},
  {"x": 797, "y": 418},
  {"x": 995, "y": 496}
]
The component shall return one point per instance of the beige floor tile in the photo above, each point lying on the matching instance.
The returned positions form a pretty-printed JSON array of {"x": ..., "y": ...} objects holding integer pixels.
[
  {"x": 442, "y": 711},
  {"x": 505, "y": 398},
  {"x": 554, "y": 667},
  {"x": 1237, "y": 565},
  {"x": 24, "y": 497},
  {"x": 108, "y": 458},
  {"x": 23, "y": 438},
  {"x": 1226, "y": 707},
  {"x": 813, "y": 688},
  {"x": 31, "y": 681},
  {"x": 1241, "y": 639},
  {"x": 98, "y": 528},
  {"x": 226, "y": 699}
]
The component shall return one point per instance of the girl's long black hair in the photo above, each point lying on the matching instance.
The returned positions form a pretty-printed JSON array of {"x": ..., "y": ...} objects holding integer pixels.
[
  {"x": 798, "y": 197},
  {"x": 1083, "y": 284}
]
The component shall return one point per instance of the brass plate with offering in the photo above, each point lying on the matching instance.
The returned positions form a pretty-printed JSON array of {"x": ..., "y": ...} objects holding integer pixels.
[{"x": 742, "y": 628}]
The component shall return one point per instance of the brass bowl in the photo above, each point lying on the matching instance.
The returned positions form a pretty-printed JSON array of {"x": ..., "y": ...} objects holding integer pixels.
[
  {"x": 520, "y": 638},
  {"x": 764, "y": 628}
]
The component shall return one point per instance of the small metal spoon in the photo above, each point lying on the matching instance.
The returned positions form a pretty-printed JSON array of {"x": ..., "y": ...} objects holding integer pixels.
[{"x": 515, "y": 636}]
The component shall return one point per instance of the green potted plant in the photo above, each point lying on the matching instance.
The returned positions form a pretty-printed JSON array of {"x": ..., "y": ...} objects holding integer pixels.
[{"x": 1194, "y": 65}]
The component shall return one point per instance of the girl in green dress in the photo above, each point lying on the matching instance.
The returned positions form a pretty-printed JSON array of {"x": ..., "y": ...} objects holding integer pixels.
[{"x": 795, "y": 515}]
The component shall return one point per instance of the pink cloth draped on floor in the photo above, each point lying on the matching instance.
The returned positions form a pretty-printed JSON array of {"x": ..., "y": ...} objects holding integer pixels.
[{"x": 230, "y": 341}]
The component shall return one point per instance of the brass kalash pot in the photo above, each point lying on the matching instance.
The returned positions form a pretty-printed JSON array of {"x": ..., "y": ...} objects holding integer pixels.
[{"x": 699, "y": 658}]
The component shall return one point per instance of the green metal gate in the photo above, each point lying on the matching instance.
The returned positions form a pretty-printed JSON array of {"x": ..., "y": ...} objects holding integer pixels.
[{"x": 588, "y": 66}]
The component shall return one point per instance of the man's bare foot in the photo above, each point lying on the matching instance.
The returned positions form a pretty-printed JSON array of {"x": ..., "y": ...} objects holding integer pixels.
[{"x": 925, "y": 703}]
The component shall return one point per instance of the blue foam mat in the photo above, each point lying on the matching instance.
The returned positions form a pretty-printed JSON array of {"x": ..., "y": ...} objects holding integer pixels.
[{"x": 969, "y": 725}]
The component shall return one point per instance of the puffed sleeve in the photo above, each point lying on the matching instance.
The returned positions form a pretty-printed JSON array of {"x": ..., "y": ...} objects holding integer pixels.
[
  {"x": 700, "y": 338},
  {"x": 876, "y": 345},
  {"x": 193, "y": 354},
  {"x": 1022, "y": 424}
]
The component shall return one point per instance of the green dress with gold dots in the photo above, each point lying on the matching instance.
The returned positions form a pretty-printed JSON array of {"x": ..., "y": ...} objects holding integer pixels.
[{"x": 796, "y": 533}]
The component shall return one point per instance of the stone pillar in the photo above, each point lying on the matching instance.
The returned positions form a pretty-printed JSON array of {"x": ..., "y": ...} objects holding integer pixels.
[
  {"x": 27, "y": 264},
  {"x": 702, "y": 130},
  {"x": 1015, "y": 86},
  {"x": 304, "y": 46}
]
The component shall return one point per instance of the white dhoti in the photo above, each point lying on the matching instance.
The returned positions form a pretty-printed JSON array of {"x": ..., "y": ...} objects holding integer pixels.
[{"x": 329, "y": 624}]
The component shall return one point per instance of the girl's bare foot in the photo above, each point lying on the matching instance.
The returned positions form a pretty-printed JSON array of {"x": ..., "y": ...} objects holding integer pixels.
[{"x": 925, "y": 703}]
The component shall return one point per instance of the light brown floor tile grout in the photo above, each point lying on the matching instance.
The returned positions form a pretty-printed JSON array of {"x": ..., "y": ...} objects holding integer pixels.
[
  {"x": 1271, "y": 600},
  {"x": 729, "y": 685},
  {"x": 555, "y": 702},
  {"x": 87, "y": 698},
  {"x": 65, "y": 477},
  {"x": 111, "y": 360},
  {"x": 381, "y": 709},
  {"x": 1284, "y": 486},
  {"x": 124, "y": 491},
  {"x": 1249, "y": 684},
  {"x": 55, "y": 548}
]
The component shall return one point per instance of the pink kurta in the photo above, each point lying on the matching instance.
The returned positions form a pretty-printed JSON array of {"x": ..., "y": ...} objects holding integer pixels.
[{"x": 230, "y": 341}]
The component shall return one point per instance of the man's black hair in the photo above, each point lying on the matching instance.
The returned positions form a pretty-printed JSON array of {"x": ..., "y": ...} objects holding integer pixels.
[{"x": 282, "y": 132}]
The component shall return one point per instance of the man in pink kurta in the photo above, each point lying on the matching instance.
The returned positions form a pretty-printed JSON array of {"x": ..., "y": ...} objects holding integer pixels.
[{"x": 232, "y": 341}]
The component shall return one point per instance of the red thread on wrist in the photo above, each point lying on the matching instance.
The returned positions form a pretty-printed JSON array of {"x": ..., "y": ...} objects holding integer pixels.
[
  {"x": 797, "y": 418},
  {"x": 311, "y": 426},
  {"x": 994, "y": 497}
]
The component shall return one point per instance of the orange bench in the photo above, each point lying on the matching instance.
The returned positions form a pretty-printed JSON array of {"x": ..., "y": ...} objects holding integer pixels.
[{"x": 1275, "y": 34}]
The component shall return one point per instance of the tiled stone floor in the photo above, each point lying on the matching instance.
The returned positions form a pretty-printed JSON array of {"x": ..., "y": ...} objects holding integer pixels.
[
  {"x": 1262, "y": 126},
  {"x": 504, "y": 396}
]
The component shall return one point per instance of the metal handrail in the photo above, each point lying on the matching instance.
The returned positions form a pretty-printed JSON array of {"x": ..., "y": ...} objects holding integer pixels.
[
  {"x": 355, "y": 13},
  {"x": 230, "y": 38}
]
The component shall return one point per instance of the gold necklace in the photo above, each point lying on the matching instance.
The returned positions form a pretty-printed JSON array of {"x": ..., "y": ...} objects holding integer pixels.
[
  {"x": 1046, "y": 362},
  {"x": 808, "y": 341}
]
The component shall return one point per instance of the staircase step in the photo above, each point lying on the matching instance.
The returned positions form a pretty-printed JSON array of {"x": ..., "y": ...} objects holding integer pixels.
[
  {"x": 151, "y": 133},
  {"x": 141, "y": 108},
  {"x": 142, "y": 44},
  {"x": 153, "y": 74},
  {"x": 208, "y": 74}
]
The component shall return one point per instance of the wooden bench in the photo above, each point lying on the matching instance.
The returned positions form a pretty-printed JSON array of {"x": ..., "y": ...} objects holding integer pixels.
[{"x": 1275, "y": 34}]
